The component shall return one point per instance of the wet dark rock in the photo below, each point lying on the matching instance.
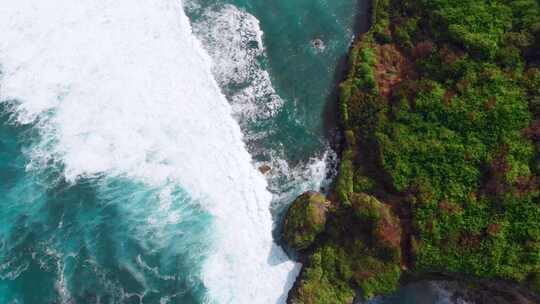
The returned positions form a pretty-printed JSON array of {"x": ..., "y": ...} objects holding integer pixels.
[
  {"x": 318, "y": 44},
  {"x": 265, "y": 169}
]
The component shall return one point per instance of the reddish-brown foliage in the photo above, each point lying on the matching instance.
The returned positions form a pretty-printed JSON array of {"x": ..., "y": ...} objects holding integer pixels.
[
  {"x": 423, "y": 49},
  {"x": 449, "y": 208},
  {"x": 388, "y": 232},
  {"x": 468, "y": 240},
  {"x": 388, "y": 69},
  {"x": 448, "y": 95},
  {"x": 449, "y": 57},
  {"x": 532, "y": 131},
  {"x": 491, "y": 103},
  {"x": 494, "y": 229},
  {"x": 463, "y": 85},
  {"x": 525, "y": 185}
]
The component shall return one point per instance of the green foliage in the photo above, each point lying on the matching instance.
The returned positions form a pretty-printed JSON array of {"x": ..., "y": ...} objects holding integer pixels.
[
  {"x": 362, "y": 183},
  {"x": 459, "y": 137},
  {"x": 350, "y": 139},
  {"x": 380, "y": 18},
  {"x": 535, "y": 282},
  {"x": 367, "y": 207},
  {"x": 477, "y": 25},
  {"x": 448, "y": 145},
  {"x": 345, "y": 179},
  {"x": 448, "y": 142},
  {"x": 345, "y": 90},
  {"x": 305, "y": 220},
  {"x": 405, "y": 32},
  {"x": 330, "y": 271},
  {"x": 382, "y": 226},
  {"x": 456, "y": 140},
  {"x": 322, "y": 280},
  {"x": 365, "y": 72},
  {"x": 377, "y": 277}
]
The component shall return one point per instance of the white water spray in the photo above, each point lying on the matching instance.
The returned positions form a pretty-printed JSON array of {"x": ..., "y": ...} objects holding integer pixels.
[{"x": 123, "y": 88}]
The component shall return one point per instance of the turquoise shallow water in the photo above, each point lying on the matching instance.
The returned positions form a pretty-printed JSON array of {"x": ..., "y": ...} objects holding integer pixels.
[
  {"x": 109, "y": 238},
  {"x": 303, "y": 76},
  {"x": 89, "y": 242},
  {"x": 101, "y": 239}
]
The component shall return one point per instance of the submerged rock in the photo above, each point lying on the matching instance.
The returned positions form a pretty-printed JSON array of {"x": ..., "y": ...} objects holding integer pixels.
[
  {"x": 318, "y": 44},
  {"x": 305, "y": 219}
]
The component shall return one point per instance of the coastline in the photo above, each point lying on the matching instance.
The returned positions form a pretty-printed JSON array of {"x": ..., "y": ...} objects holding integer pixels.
[
  {"x": 384, "y": 204},
  {"x": 331, "y": 115}
]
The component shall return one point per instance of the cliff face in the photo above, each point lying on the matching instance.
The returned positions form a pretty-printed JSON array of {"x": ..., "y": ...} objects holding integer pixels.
[{"x": 439, "y": 169}]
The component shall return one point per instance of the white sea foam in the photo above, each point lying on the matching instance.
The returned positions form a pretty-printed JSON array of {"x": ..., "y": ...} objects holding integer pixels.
[
  {"x": 234, "y": 40},
  {"x": 287, "y": 182},
  {"x": 123, "y": 88}
]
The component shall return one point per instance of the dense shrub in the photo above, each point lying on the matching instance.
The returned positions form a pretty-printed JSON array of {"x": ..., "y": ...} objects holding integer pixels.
[
  {"x": 459, "y": 137},
  {"x": 444, "y": 135}
]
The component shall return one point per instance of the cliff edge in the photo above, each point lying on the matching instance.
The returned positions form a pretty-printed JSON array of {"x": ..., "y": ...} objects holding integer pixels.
[{"x": 440, "y": 112}]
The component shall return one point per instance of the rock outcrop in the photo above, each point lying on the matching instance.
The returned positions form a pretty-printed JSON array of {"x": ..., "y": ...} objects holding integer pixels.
[
  {"x": 305, "y": 220},
  {"x": 359, "y": 250}
]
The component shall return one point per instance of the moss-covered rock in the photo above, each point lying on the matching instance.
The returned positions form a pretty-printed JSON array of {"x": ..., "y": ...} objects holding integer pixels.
[
  {"x": 324, "y": 279},
  {"x": 361, "y": 253},
  {"x": 335, "y": 272},
  {"x": 305, "y": 219}
]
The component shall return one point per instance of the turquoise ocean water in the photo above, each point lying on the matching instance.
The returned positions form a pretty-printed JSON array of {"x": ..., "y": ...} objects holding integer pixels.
[{"x": 127, "y": 176}]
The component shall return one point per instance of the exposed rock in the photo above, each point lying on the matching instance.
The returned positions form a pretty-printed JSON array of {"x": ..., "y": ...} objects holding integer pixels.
[
  {"x": 305, "y": 219},
  {"x": 318, "y": 44},
  {"x": 265, "y": 169}
]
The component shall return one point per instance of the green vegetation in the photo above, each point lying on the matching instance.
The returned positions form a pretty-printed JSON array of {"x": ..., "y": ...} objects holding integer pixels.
[
  {"x": 322, "y": 281},
  {"x": 361, "y": 251},
  {"x": 305, "y": 219},
  {"x": 441, "y": 117}
]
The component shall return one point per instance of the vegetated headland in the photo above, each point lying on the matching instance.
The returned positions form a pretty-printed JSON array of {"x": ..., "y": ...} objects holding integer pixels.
[{"x": 440, "y": 162}]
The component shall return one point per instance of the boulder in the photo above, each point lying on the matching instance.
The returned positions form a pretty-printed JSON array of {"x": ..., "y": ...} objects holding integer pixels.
[
  {"x": 305, "y": 220},
  {"x": 265, "y": 169}
]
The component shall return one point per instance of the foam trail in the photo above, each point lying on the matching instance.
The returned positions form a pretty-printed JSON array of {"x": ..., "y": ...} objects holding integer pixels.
[
  {"x": 123, "y": 88},
  {"x": 233, "y": 38},
  {"x": 288, "y": 182}
]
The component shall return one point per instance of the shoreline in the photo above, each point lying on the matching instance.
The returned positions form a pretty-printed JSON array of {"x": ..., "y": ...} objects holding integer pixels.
[
  {"x": 325, "y": 245},
  {"x": 478, "y": 290},
  {"x": 331, "y": 116}
]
